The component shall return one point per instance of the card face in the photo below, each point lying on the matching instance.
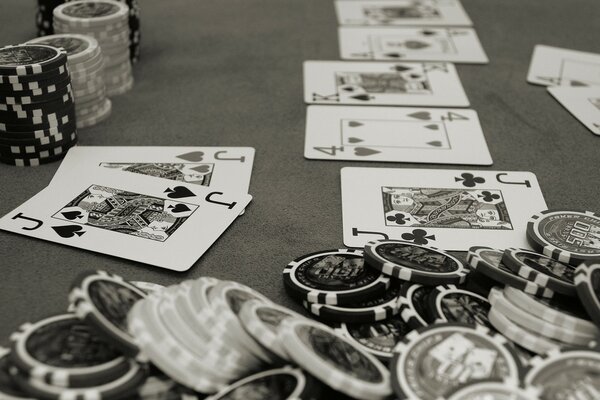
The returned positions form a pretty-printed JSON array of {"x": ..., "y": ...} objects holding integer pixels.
[
  {"x": 553, "y": 66},
  {"x": 459, "y": 45},
  {"x": 228, "y": 168},
  {"x": 152, "y": 221},
  {"x": 582, "y": 102},
  {"x": 397, "y": 134},
  {"x": 383, "y": 83},
  {"x": 402, "y": 12},
  {"x": 448, "y": 209}
]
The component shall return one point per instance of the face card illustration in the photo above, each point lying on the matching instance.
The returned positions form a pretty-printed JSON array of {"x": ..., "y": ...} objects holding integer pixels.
[
  {"x": 402, "y": 12},
  {"x": 553, "y": 66},
  {"x": 153, "y": 221},
  {"x": 447, "y": 209},
  {"x": 411, "y": 44},
  {"x": 229, "y": 168},
  {"x": 582, "y": 102},
  {"x": 399, "y": 134},
  {"x": 380, "y": 83}
]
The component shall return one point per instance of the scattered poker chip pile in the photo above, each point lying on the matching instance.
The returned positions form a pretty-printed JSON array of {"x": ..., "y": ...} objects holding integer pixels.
[
  {"x": 108, "y": 22},
  {"x": 204, "y": 337},
  {"x": 528, "y": 320},
  {"x": 85, "y": 62},
  {"x": 37, "y": 108}
]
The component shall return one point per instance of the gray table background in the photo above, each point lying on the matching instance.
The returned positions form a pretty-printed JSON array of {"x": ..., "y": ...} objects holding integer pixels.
[{"x": 229, "y": 73}]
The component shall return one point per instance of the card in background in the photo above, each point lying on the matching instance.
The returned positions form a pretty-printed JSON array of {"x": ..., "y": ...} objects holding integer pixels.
[
  {"x": 402, "y": 12},
  {"x": 396, "y": 134},
  {"x": 448, "y": 209},
  {"x": 228, "y": 168},
  {"x": 554, "y": 66},
  {"x": 582, "y": 102},
  {"x": 383, "y": 83},
  {"x": 458, "y": 45}
]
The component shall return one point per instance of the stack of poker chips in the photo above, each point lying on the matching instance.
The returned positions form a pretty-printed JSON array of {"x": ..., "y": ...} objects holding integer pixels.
[
  {"x": 86, "y": 62},
  {"x": 135, "y": 340},
  {"x": 134, "y": 28},
  {"x": 108, "y": 22},
  {"x": 37, "y": 108},
  {"x": 43, "y": 17}
]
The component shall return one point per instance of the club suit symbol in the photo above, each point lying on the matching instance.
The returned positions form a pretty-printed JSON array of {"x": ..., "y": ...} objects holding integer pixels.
[{"x": 418, "y": 236}]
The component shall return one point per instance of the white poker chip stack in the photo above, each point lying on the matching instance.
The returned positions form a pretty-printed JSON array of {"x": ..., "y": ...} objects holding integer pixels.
[
  {"x": 108, "y": 22},
  {"x": 86, "y": 63}
]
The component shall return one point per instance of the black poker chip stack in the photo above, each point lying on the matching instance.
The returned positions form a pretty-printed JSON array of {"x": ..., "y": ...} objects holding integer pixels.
[
  {"x": 37, "y": 109},
  {"x": 43, "y": 16}
]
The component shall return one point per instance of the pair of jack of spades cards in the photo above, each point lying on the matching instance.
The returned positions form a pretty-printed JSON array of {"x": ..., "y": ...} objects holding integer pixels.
[
  {"x": 163, "y": 206},
  {"x": 447, "y": 209},
  {"x": 573, "y": 79}
]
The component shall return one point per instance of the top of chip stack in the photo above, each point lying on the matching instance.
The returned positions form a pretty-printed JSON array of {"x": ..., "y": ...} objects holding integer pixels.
[
  {"x": 108, "y": 22},
  {"x": 37, "y": 111}
]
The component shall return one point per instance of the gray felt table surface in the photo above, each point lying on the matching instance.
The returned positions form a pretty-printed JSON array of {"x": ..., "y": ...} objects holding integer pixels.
[{"x": 229, "y": 73}]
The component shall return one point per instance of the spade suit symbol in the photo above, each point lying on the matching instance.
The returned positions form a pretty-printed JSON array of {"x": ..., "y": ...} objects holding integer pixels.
[
  {"x": 71, "y": 215},
  {"x": 179, "y": 208},
  {"x": 68, "y": 231},
  {"x": 179, "y": 192}
]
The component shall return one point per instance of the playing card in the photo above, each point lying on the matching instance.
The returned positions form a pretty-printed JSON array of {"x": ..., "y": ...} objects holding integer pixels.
[
  {"x": 582, "y": 102},
  {"x": 553, "y": 66},
  {"x": 447, "y": 209},
  {"x": 227, "y": 168},
  {"x": 399, "y": 134},
  {"x": 158, "y": 222},
  {"x": 402, "y": 12},
  {"x": 460, "y": 45},
  {"x": 383, "y": 83}
]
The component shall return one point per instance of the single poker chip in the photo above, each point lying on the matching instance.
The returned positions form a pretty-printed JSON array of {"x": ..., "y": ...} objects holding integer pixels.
[
  {"x": 41, "y": 94},
  {"x": 167, "y": 353},
  {"x": 103, "y": 300},
  {"x": 226, "y": 300},
  {"x": 30, "y": 59},
  {"x": 492, "y": 390},
  {"x": 39, "y": 153},
  {"x": 378, "y": 338},
  {"x": 58, "y": 123},
  {"x": 8, "y": 389},
  {"x": 587, "y": 282},
  {"x": 566, "y": 374},
  {"x": 532, "y": 323},
  {"x": 148, "y": 287},
  {"x": 413, "y": 305},
  {"x": 165, "y": 312},
  {"x": 566, "y": 235},
  {"x": 519, "y": 335},
  {"x": 65, "y": 352},
  {"x": 415, "y": 263},
  {"x": 542, "y": 270},
  {"x": 31, "y": 162},
  {"x": 559, "y": 311},
  {"x": 79, "y": 48},
  {"x": 262, "y": 320},
  {"x": 206, "y": 322},
  {"x": 447, "y": 303},
  {"x": 336, "y": 360},
  {"x": 488, "y": 261},
  {"x": 33, "y": 81},
  {"x": 371, "y": 310},
  {"x": 37, "y": 149},
  {"x": 41, "y": 136},
  {"x": 90, "y": 13},
  {"x": 430, "y": 362},
  {"x": 123, "y": 386},
  {"x": 336, "y": 277},
  {"x": 280, "y": 383}
]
